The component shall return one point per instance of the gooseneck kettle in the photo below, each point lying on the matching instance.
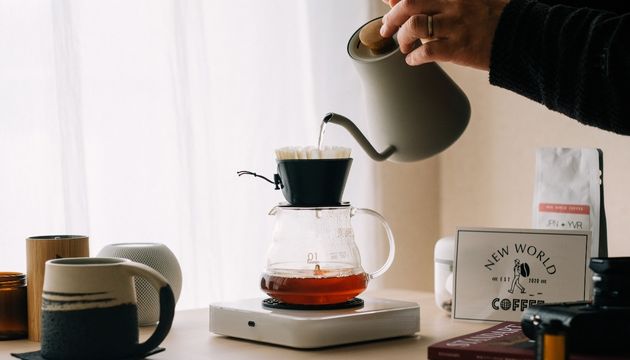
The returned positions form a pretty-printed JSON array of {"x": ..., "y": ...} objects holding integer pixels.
[{"x": 414, "y": 112}]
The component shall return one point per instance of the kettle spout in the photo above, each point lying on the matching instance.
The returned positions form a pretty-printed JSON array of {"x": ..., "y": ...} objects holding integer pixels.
[{"x": 359, "y": 137}]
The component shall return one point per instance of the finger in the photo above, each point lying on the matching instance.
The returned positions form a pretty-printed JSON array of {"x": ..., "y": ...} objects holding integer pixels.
[
  {"x": 436, "y": 50},
  {"x": 417, "y": 27},
  {"x": 402, "y": 11},
  {"x": 391, "y": 3}
]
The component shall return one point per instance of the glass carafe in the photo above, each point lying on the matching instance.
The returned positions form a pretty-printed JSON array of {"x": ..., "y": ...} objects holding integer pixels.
[{"x": 313, "y": 258}]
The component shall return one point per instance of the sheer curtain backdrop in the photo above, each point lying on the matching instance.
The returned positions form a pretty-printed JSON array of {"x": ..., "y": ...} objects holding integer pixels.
[{"x": 127, "y": 121}]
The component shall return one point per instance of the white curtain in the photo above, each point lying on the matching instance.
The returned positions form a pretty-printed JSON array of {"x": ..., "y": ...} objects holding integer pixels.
[{"x": 127, "y": 121}]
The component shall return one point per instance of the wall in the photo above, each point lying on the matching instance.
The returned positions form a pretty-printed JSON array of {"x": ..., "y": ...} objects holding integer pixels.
[
  {"x": 409, "y": 199},
  {"x": 487, "y": 177}
]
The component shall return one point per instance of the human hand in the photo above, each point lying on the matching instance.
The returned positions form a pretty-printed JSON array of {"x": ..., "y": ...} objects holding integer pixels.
[{"x": 461, "y": 30}]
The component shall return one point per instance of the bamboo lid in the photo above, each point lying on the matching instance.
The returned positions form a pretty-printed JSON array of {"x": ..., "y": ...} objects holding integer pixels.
[{"x": 371, "y": 38}]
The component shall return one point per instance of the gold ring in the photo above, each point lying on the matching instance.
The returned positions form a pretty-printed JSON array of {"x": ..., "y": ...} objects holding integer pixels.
[{"x": 430, "y": 25}]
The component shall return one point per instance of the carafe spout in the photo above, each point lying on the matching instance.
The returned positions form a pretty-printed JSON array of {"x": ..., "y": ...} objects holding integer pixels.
[{"x": 359, "y": 137}]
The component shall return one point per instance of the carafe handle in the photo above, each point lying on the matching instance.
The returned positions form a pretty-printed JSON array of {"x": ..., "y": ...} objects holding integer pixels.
[{"x": 390, "y": 239}]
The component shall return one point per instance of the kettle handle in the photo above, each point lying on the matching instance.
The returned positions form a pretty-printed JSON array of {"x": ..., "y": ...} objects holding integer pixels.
[
  {"x": 390, "y": 239},
  {"x": 359, "y": 137}
]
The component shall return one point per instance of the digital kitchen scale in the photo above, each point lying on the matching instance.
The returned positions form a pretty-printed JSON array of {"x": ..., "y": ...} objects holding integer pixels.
[{"x": 371, "y": 319}]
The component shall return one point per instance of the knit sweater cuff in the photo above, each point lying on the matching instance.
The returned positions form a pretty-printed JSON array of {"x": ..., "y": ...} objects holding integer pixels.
[{"x": 516, "y": 48}]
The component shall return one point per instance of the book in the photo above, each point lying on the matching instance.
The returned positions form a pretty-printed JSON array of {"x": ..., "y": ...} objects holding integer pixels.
[{"x": 504, "y": 341}]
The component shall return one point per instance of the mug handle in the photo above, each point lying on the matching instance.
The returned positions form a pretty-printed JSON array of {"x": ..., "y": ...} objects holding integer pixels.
[
  {"x": 167, "y": 304},
  {"x": 390, "y": 239}
]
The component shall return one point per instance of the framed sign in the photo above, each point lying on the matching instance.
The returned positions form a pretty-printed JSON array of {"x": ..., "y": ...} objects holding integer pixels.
[{"x": 501, "y": 272}]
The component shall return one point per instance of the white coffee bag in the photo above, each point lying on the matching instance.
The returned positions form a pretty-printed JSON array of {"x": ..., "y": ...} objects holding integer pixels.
[{"x": 569, "y": 193}]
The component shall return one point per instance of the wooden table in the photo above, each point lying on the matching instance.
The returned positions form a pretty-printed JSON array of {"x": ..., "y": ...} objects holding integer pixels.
[{"x": 190, "y": 339}]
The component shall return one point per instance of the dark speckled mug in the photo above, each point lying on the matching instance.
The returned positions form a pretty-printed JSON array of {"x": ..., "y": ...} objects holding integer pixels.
[{"x": 89, "y": 309}]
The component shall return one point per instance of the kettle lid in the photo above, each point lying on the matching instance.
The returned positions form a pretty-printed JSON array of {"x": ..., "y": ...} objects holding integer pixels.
[{"x": 367, "y": 44}]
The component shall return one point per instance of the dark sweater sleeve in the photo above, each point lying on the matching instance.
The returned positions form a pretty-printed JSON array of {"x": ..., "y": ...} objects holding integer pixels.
[
  {"x": 616, "y": 6},
  {"x": 572, "y": 60}
]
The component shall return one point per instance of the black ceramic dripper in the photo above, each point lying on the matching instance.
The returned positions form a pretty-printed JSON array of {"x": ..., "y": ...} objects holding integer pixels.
[
  {"x": 311, "y": 182},
  {"x": 314, "y": 182}
]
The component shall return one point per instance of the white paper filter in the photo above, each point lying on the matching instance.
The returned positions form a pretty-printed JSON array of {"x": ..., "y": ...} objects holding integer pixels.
[{"x": 312, "y": 152}]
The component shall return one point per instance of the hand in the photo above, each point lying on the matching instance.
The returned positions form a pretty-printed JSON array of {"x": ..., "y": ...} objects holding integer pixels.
[{"x": 462, "y": 30}]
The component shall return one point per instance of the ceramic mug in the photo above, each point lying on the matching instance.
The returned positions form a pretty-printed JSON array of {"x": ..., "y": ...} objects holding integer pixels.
[{"x": 89, "y": 309}]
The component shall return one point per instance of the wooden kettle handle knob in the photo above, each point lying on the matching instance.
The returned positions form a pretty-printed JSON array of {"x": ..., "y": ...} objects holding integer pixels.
[{"x": 371, "y": 38}]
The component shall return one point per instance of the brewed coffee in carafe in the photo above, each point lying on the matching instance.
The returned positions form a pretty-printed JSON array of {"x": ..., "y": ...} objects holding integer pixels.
[
  {"x": 313, "y": 258},
  {"x": 313, "y": 288}
]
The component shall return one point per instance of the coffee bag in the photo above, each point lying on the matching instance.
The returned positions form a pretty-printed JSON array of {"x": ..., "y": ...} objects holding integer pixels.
[{"x": 569, "y": 193}]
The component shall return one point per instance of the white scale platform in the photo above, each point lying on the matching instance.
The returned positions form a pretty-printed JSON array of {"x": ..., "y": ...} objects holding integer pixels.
[{"x": 307, "y": 329}]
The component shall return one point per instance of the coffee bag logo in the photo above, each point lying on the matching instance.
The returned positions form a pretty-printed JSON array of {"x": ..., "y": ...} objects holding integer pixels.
[{"x": 564, "y": 216}]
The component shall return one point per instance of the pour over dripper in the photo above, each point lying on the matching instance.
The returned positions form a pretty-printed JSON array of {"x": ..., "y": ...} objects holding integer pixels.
[
  {"x": 310, "y": 182},
  {"x": 314, "y": 182}
]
